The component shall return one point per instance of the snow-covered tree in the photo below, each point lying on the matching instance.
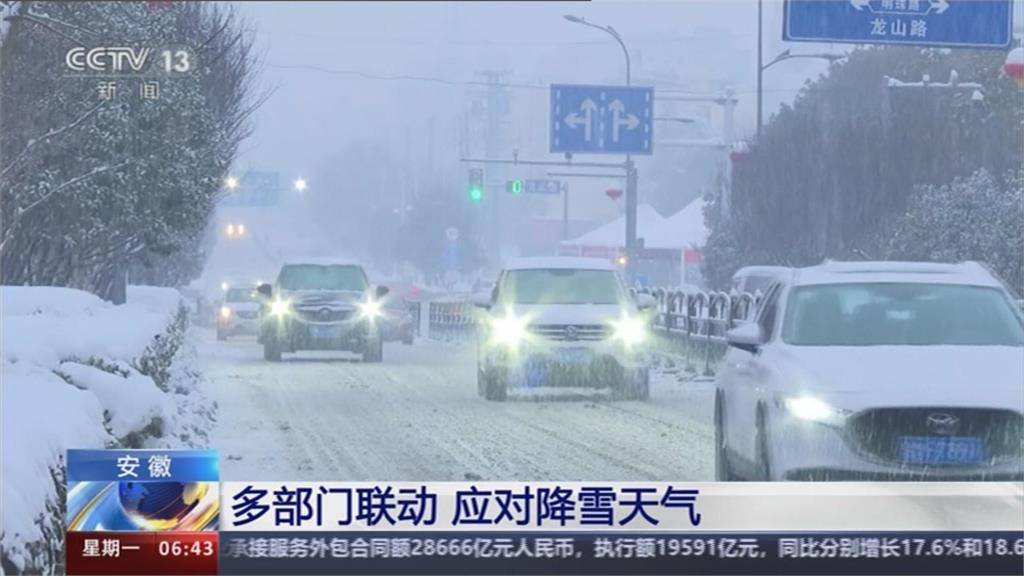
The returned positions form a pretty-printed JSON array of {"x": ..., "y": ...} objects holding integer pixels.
[
  {"x": 834, "y": 169},
  {"x": 91, "y": 188},
  {"x": 974, "y": 218}
]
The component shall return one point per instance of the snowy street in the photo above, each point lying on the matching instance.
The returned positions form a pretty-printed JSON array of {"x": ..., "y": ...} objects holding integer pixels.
[{"x": 417, "y": 416}]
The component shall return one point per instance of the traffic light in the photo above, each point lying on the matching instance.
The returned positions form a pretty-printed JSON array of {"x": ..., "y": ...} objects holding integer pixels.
[
  {"x": 476, "y": 184},
  {"x": 514, "y": 186}
]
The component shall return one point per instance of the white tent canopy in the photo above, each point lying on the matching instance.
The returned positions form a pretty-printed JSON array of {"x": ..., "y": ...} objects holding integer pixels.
[
  {"x": 613, "y": 234},
  {"x": 684, "y": 229}
]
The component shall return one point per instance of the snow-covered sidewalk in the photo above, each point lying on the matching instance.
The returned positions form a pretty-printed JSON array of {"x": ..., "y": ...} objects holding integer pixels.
[{"x": 78, "y": 372}]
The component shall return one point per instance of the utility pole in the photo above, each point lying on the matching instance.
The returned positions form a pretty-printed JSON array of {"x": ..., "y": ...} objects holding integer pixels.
[
  {"x": 492, "y": 150},
  {"x": 760, "y": 65}
]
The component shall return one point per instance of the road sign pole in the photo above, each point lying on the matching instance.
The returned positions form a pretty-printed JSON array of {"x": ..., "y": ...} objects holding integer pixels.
[
  {"x": 565, "y": 210},
  {"x": 631, "y": 201}
]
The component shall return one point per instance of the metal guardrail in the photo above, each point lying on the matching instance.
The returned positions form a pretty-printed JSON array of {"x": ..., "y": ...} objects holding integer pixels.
[
  {"x": 451, "y": 319},
  {"x": 690, "y": 323},
  {"x": 693, "y": 324}
]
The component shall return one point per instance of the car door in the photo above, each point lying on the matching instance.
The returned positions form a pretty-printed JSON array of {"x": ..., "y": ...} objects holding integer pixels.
[{"x": 745, "y": 378}]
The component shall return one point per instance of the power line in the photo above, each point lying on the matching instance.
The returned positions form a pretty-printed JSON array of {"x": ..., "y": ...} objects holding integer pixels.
[{"x": 449, "y": 82}]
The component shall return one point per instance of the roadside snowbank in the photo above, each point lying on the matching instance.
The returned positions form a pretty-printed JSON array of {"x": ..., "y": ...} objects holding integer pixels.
[{"x": 79, "y": 372}]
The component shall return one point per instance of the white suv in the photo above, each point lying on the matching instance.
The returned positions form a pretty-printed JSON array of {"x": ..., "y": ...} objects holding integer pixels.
[
  {"x": 875, "y": 371},
  {"x": 562, "y": 322}
]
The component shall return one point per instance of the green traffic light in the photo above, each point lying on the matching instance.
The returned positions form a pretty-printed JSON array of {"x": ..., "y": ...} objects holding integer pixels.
[
  {"x": 476, "y": 194},
  {"x": 517, "y": 186}
]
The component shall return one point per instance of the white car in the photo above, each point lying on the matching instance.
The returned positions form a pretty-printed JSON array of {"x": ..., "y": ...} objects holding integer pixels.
[
  {"x": 751, "y": 279},
  {"x": 239, "y": 313},
  {"x": 875, "y": 371},
  {"x": 562, "y": 322}
]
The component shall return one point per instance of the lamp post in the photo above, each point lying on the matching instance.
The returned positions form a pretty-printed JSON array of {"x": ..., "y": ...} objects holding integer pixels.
[
  {"x": 784, "y": 55},
  {"x": 631, "y": 175}
]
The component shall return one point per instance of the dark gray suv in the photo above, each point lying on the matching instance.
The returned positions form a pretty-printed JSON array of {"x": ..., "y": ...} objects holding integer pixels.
[{"x": 318, "y": 304}]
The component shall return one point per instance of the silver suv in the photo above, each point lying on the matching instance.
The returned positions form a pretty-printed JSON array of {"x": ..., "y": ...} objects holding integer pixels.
[{"x": 318, "y": 304}]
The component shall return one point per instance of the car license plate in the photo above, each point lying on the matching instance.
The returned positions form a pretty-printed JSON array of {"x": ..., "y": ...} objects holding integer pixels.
[
  {"x": 324, "y": 332},
  {"x": 573, "y": 355},
  {"x": 942, "y": 450}
]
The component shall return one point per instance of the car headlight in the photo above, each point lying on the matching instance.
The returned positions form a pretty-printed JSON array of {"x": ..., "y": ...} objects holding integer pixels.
[
  {"x": 280, "y": 307},
  {"x": 509, "y": 330},
  {"x": 370, "y": 310},
  {"x": 814, "y": 410},
  {"x": 630, "y": 330},
  {"x": 225, "y": 312}
]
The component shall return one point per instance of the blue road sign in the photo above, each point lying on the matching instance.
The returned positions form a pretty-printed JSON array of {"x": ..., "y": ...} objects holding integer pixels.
[
  {"x": 542, "y": 186},
  {"x": 255, "y": 189},
  {"x": 602, "y": 119},
  {"x": 954, "y": 23}
]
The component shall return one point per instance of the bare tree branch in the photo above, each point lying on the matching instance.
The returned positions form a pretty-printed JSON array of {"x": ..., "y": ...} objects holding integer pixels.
[
  {"x": 46, "y": 137},
  {"x": 20, "y": 212}
]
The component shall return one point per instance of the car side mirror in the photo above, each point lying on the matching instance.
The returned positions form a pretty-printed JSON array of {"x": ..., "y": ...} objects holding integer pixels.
[
  {"x": 748, "y": 337},
  {"x": 382, "y": 291},
  {"x": 646, "y": 301},
  {"x": 481, "y": 301},
  {"x": 265, "y": 290}
]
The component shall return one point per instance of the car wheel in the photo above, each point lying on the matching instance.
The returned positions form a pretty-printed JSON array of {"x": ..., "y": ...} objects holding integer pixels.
[
  {"x": 271, "y": 350},
  {"x": 723, "y": 470},
  {"x": 495, "y": 385},
  {"x": 642, "y": 385},
  {"x": 374, "y": 351},
  {"x": 633, "y": 385},
  {"x": 763, "y": 468}
]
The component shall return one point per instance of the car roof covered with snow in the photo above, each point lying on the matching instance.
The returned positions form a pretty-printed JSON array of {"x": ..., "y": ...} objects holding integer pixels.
[
  {"x": 322, "y": 261},
  {"x": 762, "y": 271},
  {"x": 559, "y": 263},
  {"x": 966, "y": 273}
]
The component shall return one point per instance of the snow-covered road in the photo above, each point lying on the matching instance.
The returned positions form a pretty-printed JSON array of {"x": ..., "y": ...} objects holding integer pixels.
[{"x": 417, "y": 416}]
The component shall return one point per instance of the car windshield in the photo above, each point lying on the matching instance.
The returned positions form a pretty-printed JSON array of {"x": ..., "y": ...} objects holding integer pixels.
[
  {"x": 316, "y": 277},
  {"x": 561, "y": 286},
  {"x": 901, "y": 314},
  {"x": 240, "y": 295}
]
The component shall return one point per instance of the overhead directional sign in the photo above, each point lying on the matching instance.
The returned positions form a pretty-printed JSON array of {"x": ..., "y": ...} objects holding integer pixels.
[
  {"x": 954, "y": 23},
  {"x": 602, "y": 119}
]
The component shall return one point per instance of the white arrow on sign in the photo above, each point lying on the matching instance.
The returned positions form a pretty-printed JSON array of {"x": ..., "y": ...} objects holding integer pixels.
[
  {"x": 573, "y": 120},
  {"x": 940, "y": 6},
  {"x": 860, "y": 4},
  {"x": 630, "y": 121}
]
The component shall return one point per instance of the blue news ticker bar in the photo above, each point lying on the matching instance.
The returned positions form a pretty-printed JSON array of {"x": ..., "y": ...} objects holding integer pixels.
[
  {"x": 638, "y": 552},
  {"x": 143, "y": 465}
]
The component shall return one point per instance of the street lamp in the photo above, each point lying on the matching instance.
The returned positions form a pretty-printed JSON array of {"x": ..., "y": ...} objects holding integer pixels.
[
  {"x": 608, "y": 30},
  {"x": 631, "y": 176},
  {"x": 300, "y": 184},
  {"x": 231, "y": 182},
  {"x": 785, "y": 55}
]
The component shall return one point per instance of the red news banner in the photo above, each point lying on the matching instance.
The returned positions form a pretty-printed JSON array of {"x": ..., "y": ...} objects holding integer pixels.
[{"x": 157, "y": 553}]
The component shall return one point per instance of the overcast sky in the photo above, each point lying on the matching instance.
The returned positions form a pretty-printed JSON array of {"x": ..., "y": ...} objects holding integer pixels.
[{"x": 314, "y": 111}]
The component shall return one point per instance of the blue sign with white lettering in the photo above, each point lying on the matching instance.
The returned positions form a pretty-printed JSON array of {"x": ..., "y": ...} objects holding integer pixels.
[
  {"x": 256, "y": 189},
  {"x": 954, "y": 23},
  {"x": 602, "y": 119},
  {"x": 542, "y": 186}
]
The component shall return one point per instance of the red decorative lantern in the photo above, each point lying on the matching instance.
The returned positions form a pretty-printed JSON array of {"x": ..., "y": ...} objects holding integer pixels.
[
  {"x": 1014, "y": 66},
  {"x": 613, "y": 193}
]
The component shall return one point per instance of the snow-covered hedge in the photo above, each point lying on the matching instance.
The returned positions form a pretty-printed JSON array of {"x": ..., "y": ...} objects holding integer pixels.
[{"x": 78, "y": 372}]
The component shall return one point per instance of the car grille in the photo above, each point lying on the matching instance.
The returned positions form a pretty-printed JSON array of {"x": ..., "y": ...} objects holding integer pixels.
[
  {"x": 880, "y": 432},
  {"x": 570, "y": 332},
  {"x": 246, "y": 314},
  {"x": 322, "y": 314}
]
